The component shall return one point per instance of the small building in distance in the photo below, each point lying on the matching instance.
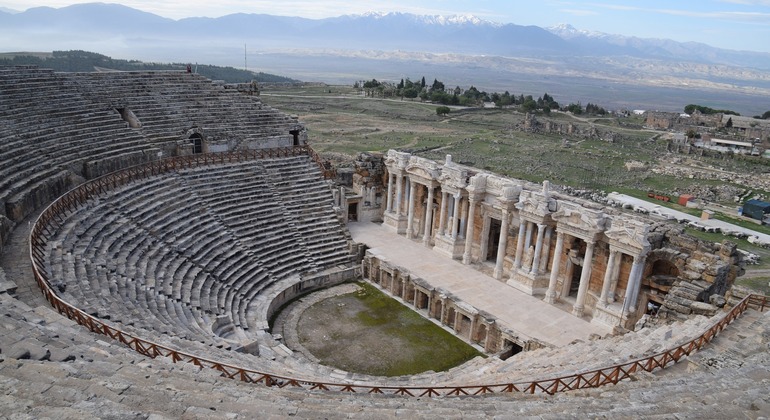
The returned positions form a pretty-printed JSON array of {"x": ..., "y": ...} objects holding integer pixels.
[{"x": 757, "y": 209}]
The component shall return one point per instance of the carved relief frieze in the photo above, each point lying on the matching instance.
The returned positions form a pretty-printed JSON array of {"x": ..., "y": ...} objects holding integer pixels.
[
  {"x": 628, "y": 235},
  {"x": 576, "y": 220}
]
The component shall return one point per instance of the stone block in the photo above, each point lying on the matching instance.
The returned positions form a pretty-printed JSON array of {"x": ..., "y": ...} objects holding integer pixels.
[
  {"x": 695, "y": 265},
  {"x": 703, "y": 308},
  {"x": 717, "y": 300}
]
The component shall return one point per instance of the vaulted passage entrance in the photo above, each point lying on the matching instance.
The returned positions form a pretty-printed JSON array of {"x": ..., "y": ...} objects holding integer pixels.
[{"x": 197, "y": 142}]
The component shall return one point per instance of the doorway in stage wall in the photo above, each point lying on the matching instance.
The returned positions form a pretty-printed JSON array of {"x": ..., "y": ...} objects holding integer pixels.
[
  {"x": 575, "y": 282},
  {"x": 353, "y": 212},
  {"x": 494, "y": 239}
]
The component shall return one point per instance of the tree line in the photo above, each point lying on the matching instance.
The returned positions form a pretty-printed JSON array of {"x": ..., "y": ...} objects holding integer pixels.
[
  {"x": 689, "y": 109},
  {"x": 437, "y": 92}
]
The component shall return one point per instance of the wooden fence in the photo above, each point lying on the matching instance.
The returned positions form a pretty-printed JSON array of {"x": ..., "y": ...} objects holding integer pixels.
[{"x": 56, "y": 213}]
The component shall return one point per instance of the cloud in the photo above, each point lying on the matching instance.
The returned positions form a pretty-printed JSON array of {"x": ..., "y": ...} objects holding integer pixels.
[
  {"x": 734, "y": 16},
  {"x": 579, "y": 12},
  {"x": 765, "y": 3}
]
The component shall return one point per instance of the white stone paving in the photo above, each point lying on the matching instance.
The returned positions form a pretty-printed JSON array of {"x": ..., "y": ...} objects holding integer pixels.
[
  {"x": 678, "y": 215},
  {"x": 527, "y": 315}
]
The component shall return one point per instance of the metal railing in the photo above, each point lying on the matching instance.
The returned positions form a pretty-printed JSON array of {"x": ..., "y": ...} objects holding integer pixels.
[{"x": 56, "y": 213}]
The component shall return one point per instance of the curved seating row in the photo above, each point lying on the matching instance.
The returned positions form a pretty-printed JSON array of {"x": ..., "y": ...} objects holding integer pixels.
[
  {"x": 175, "y": 253},
  {"x": 58, "y": 128}
]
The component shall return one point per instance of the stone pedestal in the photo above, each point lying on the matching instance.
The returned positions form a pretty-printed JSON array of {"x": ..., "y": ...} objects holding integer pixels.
[
  {"x": 445, "y": 245},
  {"x": 395, "y": 222},
  {"x": 528, "y": 282},
  {"x": 610, "y": 315}
]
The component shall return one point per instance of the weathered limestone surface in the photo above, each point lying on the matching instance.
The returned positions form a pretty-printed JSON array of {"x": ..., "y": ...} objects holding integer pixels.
[
  {"x": 87, "y": 377},
  {"x": 607, "y": 264}
]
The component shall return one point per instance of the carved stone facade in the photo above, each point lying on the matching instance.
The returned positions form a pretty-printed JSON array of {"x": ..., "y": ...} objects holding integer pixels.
[{"x": 598, "y": 260}]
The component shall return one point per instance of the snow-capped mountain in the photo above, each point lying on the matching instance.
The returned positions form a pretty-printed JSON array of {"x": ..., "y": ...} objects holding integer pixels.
[{"x": 35, "y": 28}]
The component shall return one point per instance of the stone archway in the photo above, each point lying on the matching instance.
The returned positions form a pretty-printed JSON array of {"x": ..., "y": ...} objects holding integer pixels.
[{"x": 197, "y": 140}]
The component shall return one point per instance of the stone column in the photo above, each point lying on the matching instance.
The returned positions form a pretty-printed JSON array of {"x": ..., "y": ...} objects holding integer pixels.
[
  {"x": 389, "y": 206},
  {"x": 455, "y": 215},
  {"x": 442, "y": 212},
  {"x": 502, "y": 243},
  {"x": 611, "y": 262},
  {"x": 538, "y": 249},
  {"x": 550, "y": 295},
  {"x": 585, "y": 278},
  {"x": 467, "y": 254},
  {"x": 520, "y": 244},
  {"x": 638, "y": 270},
  {"x": 428, "y": 218},
  {"x": 463, "y": 219},
  {"x": 546, "y": 249},
  {"x": 615, "y": 274},
  {"x": 528, "y": 238},
  {"x": 634, "y": 277},
  {"x": 399, "y": 193},
  {"x": 410, "y": 213}
]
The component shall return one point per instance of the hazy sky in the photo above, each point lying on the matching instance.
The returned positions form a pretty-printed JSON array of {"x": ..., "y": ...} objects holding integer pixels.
[{"x": 733, "y": 24}]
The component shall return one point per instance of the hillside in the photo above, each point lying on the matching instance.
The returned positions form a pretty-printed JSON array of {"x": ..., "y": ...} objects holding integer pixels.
[{"x": 84, "y": 61}]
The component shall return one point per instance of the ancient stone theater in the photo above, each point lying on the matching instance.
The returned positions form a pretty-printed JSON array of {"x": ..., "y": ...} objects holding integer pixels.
[{"x": 153, "y": 225}]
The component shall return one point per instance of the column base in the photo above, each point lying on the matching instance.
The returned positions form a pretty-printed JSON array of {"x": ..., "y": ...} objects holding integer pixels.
[
  {"x": 550, "y": 297},
  {"x": 577, "y": 311}
]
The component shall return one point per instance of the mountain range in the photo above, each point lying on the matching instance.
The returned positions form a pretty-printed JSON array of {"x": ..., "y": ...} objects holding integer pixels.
[
  {"x": 398, "y": 43},
  {"x": 465, "y": 34}
]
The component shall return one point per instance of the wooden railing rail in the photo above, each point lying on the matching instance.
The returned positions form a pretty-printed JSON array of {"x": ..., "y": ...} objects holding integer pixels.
[{"x": 56, "y": 213}]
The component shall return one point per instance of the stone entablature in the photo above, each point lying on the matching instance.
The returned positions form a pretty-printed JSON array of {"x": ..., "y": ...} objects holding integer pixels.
[{"x": 533, "y": 239}]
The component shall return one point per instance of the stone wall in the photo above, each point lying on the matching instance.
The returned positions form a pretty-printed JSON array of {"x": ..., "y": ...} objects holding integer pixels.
[
  {"x": 460, "y": 212},
  {"x": 469, "y": 323},
  {"x": 703, "y": 269}
]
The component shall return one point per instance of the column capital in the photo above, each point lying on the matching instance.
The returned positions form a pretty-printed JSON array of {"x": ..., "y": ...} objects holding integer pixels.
[{"x": 640, "y": 259}]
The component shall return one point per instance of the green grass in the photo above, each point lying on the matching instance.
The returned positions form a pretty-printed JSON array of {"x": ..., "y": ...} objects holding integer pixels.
[
  {"x": 437, "y": 349},
  {"x": 341, "y": 121},
  {"x": 371, "y": 333},
  {"x": 760, "y": 284}
]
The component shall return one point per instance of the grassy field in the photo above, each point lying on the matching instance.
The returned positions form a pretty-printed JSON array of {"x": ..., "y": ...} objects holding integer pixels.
[
  {"x": 369, "y": 332},
  {"x": 341, "y": 121}
]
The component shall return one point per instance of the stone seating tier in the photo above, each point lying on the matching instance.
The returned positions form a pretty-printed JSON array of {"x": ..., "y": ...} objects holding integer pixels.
[
  {"x": 173, "y": 250},
  {"x": 52, "y": 368},
  {"x": 70, "y": 122}
]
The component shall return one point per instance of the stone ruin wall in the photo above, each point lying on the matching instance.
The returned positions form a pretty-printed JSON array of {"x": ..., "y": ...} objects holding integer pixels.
[
  {"x": 703, "y": 268},
  {"x": 532, "y": 125}
]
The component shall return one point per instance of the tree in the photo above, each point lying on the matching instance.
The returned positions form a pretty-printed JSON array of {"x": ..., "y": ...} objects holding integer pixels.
[
  {"x": 437, "y": 86},
  {"x": 576, "y": 109},
  {"x": 729, "y": 123},
  {"x": 442, "y": 110},
  {"x": 766, "y": 115},
  {"x": 529, "y": 105}
]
